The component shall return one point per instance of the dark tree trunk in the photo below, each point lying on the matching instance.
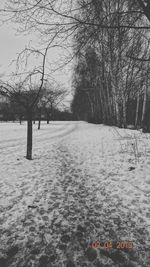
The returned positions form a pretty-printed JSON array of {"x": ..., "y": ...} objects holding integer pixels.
[
  {"x": 39, "y": 123},
  {"x": 20, "y": 119},
  {"x": 144, "y": 107},
  {"x": 124, "y": 112},
  {"x": 48, "y": 118},
  {"x": 29, "y": 136},
  {"x": 137, "y": 109}
]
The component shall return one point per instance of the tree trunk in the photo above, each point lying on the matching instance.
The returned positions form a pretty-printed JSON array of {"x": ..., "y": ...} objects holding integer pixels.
[
  {"x": 110, "y": 111},
  {"x": 29, "y": 136},
  {"x": 39, "y": 123},
  {"x": 124, "y": 111},
  {"x": 48, "y": 118},
  {"x": 101, "y": 104},
  {"x": 144, "y": 106},
  {"x": 91, "y": 105},
  {"x": 20, "y": 119},
  {"x": 117, "y": 113},
  {"x": 137, "y": 109}
]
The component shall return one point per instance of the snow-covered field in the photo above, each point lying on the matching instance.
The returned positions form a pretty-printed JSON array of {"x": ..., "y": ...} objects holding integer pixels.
[{"x": 85, "y": 183}]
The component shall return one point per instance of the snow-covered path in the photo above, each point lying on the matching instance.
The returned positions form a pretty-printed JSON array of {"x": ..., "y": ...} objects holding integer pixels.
[{"x": 86, "y": 183}]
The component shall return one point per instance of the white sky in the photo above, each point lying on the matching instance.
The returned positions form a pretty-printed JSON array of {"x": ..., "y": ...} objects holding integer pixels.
[{"x": 11, "y": 43}]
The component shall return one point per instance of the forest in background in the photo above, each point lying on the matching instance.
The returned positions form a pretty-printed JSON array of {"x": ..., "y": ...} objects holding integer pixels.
[{"x": 111, "y": 74}]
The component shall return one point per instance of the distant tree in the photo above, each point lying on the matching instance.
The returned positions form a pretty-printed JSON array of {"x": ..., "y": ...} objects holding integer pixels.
[{"x": 53, "y": 96}]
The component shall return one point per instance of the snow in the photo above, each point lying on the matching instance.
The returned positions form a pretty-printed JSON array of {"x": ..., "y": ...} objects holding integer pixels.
[{"x": 85, "y": 183}]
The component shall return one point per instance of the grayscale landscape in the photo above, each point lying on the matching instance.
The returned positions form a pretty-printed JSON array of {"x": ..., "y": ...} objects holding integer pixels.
[{"x": 75, "y": 133}]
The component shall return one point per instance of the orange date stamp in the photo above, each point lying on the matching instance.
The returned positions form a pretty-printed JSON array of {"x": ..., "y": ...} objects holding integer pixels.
[{"x": 110, "y": 244}]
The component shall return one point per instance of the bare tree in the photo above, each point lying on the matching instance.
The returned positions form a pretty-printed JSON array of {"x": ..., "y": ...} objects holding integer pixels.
[
  {"x": 53, "y": 96},
  {"x": 64, "y": 14},
  {"x": 24, "y": 92}
]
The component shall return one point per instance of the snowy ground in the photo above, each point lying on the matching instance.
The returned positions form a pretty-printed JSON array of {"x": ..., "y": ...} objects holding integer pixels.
[{"x": 86, "y": 183}]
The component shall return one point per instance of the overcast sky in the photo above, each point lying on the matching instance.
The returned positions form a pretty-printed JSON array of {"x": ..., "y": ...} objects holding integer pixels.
[{"x": 11, "y": 43}]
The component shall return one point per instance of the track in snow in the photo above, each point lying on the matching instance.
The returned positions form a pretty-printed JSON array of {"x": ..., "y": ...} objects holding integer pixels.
[{"x": 77, "y": 189}]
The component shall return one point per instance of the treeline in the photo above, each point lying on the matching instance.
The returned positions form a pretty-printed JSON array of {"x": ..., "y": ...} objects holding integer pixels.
[
  {"x": 111, "y": 74},
  {"x": 9, "y": 113},
  {"x": 15, "y": 106}
]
